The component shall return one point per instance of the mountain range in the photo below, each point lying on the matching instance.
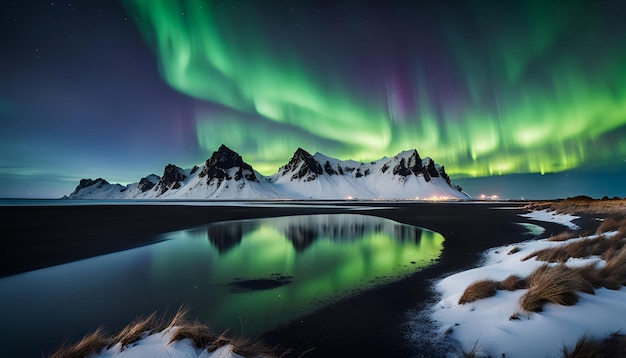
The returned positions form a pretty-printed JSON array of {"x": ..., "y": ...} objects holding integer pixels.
[{"x": 226, "y": 176}]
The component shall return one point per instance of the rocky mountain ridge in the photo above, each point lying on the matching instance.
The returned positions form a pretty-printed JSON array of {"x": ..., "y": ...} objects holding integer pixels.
[{"x": 226, "y": 176}]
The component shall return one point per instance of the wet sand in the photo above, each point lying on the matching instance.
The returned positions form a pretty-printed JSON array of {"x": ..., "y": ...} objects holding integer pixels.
[{"x": 367, "y": 324}]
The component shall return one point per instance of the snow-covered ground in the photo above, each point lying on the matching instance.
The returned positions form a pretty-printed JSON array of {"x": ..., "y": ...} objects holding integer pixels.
[
  {"x": 485, "y": 325},
  {"x": 156, "y": 346},
  {"x": 553, "y": 216}
]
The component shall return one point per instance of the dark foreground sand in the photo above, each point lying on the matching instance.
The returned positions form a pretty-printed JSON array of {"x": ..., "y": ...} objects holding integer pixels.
[{"x": 367, "y": 324}]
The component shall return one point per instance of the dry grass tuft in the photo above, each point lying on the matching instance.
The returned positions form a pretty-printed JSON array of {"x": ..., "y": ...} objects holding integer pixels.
[
  {"x": 553, "y": 284},
  {"x": 614, "y": 270},
  {"x": 477, "y": 290},
  {"x": 218, "y": 341},
  {"x": 586, "y": 346},
  {"x": 88, "y": 345},
  {"x": 251, "y": 348},
  {"x": 579, "y": 249},
  {"x": 199, "y": 334},
  {"x": 612, "y": 223},
  {"x": 474, "y": 351},
  {"x": 591, "y": 274},
  {"x": 564, "y": 236},
  {"x": 243, "y": 346},
  {"x": 612, "y": 346},
  {"x": 147, "y": 325},
  {"x": 179, "y": 318},
  {"x": 582, "y": 205},
  {"x": 133, "y": 332},
  {"x": 512, "y": 283}
]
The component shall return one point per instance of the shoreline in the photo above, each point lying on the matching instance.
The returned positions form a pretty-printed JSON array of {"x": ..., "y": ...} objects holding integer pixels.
[
  {"x": 367, "y": 323},
  {"x": 353, "y": 326},
  {"x": 548, "y": 296},
  {"x": 36, "y": 236}
]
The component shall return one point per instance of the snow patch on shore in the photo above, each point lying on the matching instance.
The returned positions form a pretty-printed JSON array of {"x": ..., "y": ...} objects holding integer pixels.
[
  {"x": 496, "y": 326},
  {"x": 554, "y": 217},
  {"x": 156, "y": 346}
]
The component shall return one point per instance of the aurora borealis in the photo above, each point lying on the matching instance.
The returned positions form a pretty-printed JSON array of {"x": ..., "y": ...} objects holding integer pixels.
[{"x": 486, "y": 88}]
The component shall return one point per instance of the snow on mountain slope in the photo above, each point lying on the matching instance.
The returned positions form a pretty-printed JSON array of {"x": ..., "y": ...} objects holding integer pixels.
[
  {"x": 226, "y": 176},
  {"x": 405, "y": 176},
  {"x": 97, "y": 189}
]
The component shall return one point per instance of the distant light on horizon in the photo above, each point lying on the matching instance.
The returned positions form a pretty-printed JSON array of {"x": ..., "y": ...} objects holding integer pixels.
[{"x": 489, "y": 197}]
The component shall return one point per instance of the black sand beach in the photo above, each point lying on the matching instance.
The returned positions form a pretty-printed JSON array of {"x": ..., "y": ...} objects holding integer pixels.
[
  {"x": 40, "y": 236},
  {"x": 367, "y": 324},
  {"x": 370, "y": 324}
]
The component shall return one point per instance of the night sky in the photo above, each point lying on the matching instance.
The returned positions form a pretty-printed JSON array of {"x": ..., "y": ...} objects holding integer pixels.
[{"x": 515, "y": 98}]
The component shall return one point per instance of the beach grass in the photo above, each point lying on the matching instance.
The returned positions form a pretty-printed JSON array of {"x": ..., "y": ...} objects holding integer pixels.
[
  {"x": 90, "y": 344},
  {"x": 512, "y": 283},
  {"x": 559, "y": 283},
  {"x": 582, "y": 248},
  {"x": 591, "y": 274},
  {"x": 612, "y": 223},
  {"x": 553, "y": 284},
  {"x": 478, "y": 290},
  {"x": 564, "y": 235},
  {"x": 583, "y": 205},
  {"x": 198, "y": 333},
  {"x": 132, "y": 332},
  {"x": 613, "y": 345},
  {"x": 614, "y": 270},
  {"x": 600, "y": 262},
  {"x": 586, "y": 346}
]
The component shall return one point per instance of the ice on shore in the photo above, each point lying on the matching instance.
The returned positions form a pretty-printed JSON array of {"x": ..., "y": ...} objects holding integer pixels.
[{"x": 486, "y": 326}]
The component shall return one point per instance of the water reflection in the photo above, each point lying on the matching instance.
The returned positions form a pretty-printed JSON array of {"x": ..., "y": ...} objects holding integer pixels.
[
  {"x": 302, "y": 231},
  {"x": 245, "y": 275},
  {"x": 533, "y": 229},
  {"x": 288, "y": 266},
  {"x": 225, "y": 236}
]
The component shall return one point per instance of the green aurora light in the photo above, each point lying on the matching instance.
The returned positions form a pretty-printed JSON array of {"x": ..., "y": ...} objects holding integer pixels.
[{"x": 525, "y": 88}]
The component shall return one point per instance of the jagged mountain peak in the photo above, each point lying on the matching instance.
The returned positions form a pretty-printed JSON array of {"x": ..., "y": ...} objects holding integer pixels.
[
  {"x": 408, "y": 154},
  {"x": 302, "y": 165},
  {"x": 226, "y": 158},
  {"x": 84, "y": 183},
  {"x": 148, "y": 182},
  {"x": 301, "y": 153},
  {"x": 226, "y": 164},
  {"x": 411, "y": 157},
  {"x": 408, "y": 162},
  {"x": 226, "y": 176},
  {"x": 171, "y": 179}
]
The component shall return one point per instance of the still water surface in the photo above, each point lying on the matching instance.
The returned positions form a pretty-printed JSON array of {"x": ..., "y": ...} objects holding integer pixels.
[{"x": 248, "y": 275}]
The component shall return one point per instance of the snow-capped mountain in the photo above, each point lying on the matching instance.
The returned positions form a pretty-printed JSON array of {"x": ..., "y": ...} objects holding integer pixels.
[
  {"x": 405, "y": 176},
  {"x": 226, "y": 176}
]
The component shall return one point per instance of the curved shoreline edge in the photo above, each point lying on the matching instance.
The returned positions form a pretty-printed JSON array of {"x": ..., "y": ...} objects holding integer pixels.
[{"x": 468, "y": 221}]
